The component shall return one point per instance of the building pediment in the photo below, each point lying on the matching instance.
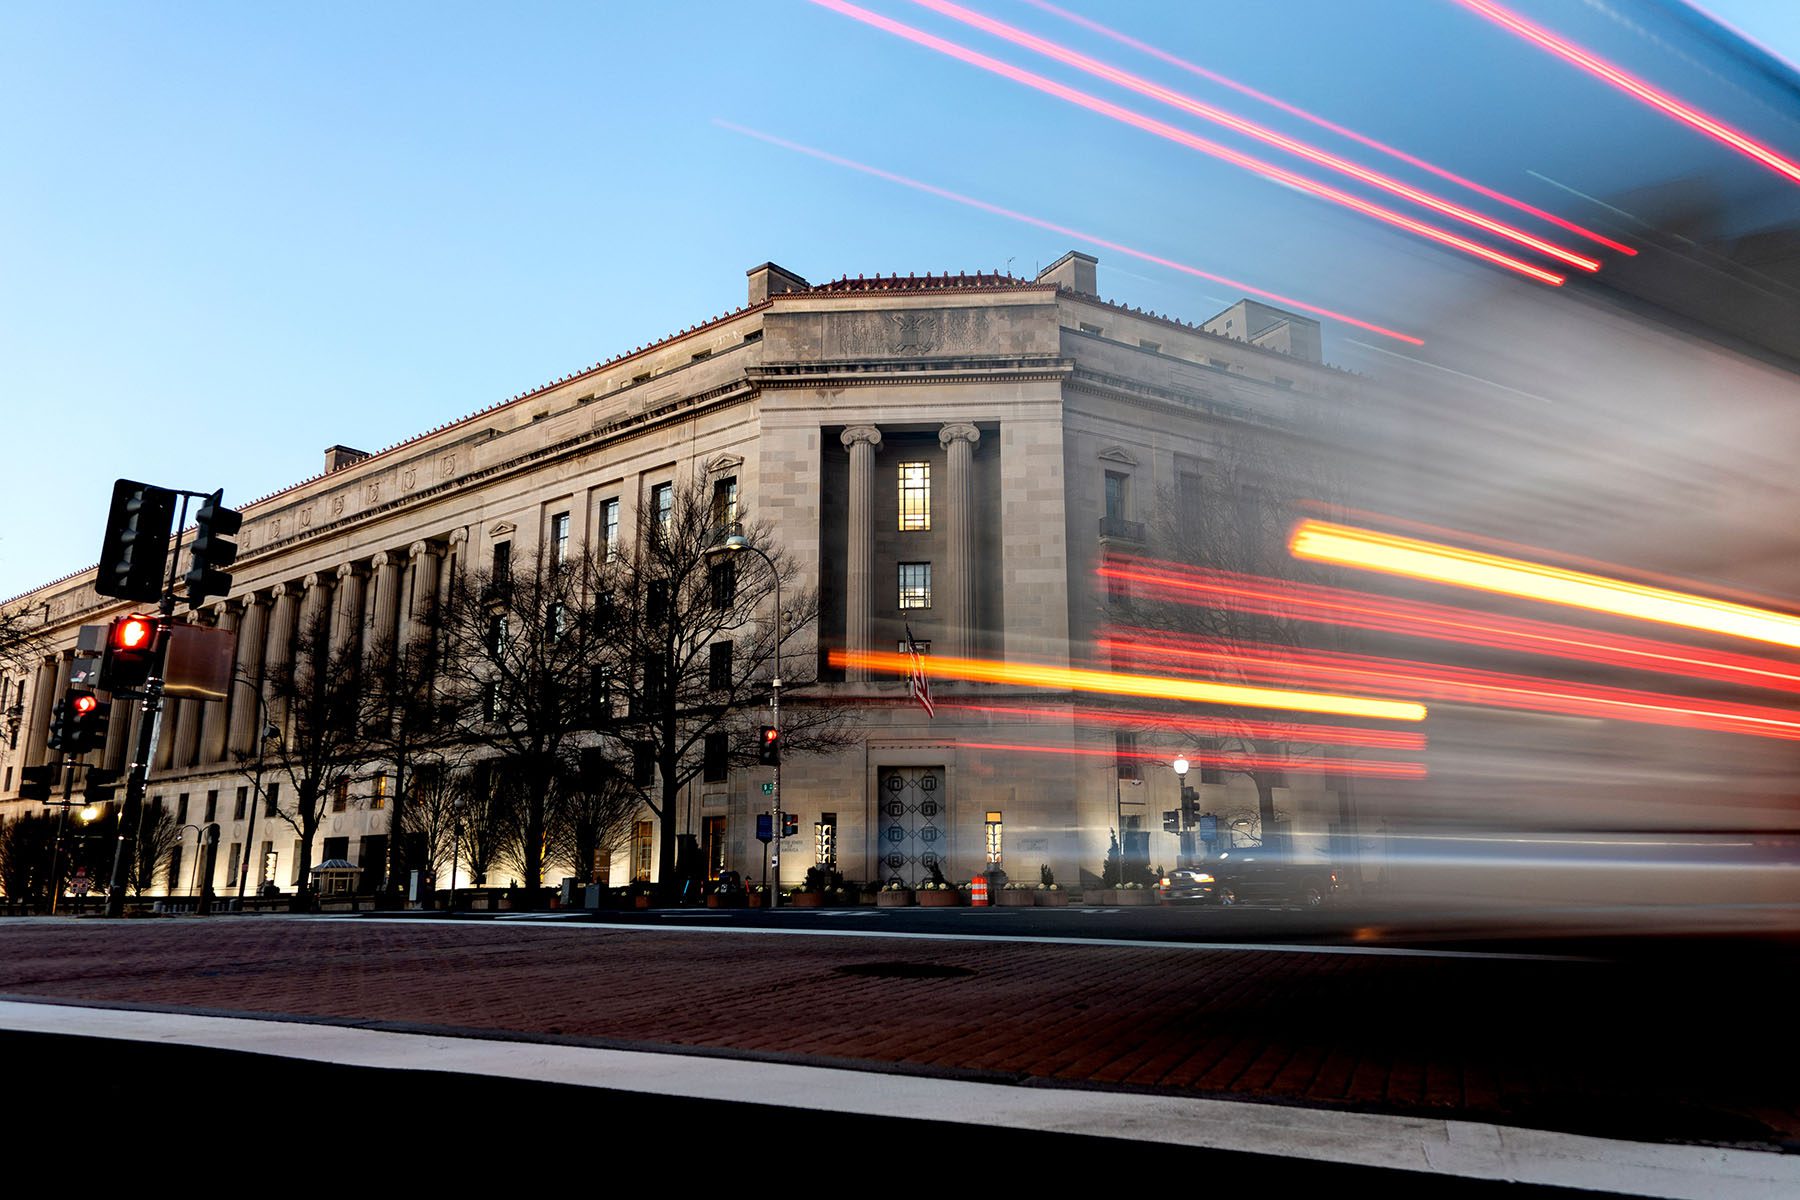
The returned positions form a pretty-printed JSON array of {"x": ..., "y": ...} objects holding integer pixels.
[
  {"x": 724, "y": 463},
  {"x": 1118, "y": 454}
]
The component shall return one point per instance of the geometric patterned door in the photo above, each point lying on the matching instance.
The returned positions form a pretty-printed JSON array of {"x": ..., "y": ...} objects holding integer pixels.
[{"x": 914, "y": 825}]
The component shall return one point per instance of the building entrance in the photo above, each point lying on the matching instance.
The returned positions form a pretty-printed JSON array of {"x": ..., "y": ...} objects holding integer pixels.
[{"x": 914, "y": 823}]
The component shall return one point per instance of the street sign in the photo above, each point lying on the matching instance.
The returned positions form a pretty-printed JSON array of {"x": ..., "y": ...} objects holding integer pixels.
[
  {"x": 768, "y": 789},
  {"x": 763, "y": 826}
]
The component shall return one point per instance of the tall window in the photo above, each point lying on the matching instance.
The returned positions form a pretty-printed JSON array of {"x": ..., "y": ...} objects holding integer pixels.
[
  {"x": 662, "y": 503},
  {"x": 723, "y": 577},
  {"x": 379, "y": 793},
  {"x": 274, "y": 801},
  {"x": 502, "y": 561},
  {"x": 1125, "y": 756},
  {"x": 915, "y": 585},
  {"x": 181, "y": 802},
  {"x": 712, "y": 845},
  {"x": 642, "y": 842},
  {"x": 713, "y": 766},
  {"x": 1117, "y": 495},
  {"x": 609, "y": 528},
  {"x": 212, "y": 806},
  {"x": 340, "y": 796},
  {"x": 556, "y": 620},
  {"x": 243, "y": 802},
  {"x": 231, "y": 863},
  {"x": 559, "y": 539},
  {"x": 724, "y": 503},
  {"x": 174, "y": 870},
  {"x": 915, "y": 496},
  {"x": 719, "y": 668}
]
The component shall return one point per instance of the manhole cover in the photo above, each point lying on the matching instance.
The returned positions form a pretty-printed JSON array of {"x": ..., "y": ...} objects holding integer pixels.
[{"x": 904, "y": 970}]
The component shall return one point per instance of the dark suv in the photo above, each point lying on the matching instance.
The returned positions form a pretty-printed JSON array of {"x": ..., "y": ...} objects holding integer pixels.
[{"x": 1257, "y": 875}]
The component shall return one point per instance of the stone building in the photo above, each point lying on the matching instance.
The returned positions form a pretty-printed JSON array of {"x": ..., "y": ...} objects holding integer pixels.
[{"x": 955, "y": 453}]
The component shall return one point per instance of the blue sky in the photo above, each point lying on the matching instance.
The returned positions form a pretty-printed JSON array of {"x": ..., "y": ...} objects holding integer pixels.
[{"x": 232, "y": 235}]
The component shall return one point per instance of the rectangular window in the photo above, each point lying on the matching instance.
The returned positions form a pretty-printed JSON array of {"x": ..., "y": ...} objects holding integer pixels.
[
  {"x": 662, "y": 503},
  {"x": 295, "y": 874},
  {"x": 335, "y": 847},
  {"x": 274, "y": 801},
  {"x": 340, "y": 796},
  {"x": 609, "y": 528},
  {"x": 915, "y": 496},
  {"x": 559, "y": 539},
  {"x": 174, "y": 884},
  {"x": 496, "y": 637},
  {"x": 643, "y": 842},
  {"x": 655, "y": 683},
  {"x": 243, "y": 803},
  {"x": 723, "y": 577},
  {"x": 1117, "y": 495},
  {"x": 656, "y": 601},
  {"x": 212, "y": 806},
  {"x": 643, "y": 766},
  {"x": 713, "y": 766},
  {"x": 724, "y": 504},
  {"x": 719, "y": 667},
  {"x": 601, "y": 696},
  {"x": 556, "y": 620},
  {"x": 915, "y": 585},
  {"x": 231, "y": 864},
  {"x": 502, "y": 562},
  {"x": 181, "y": 807},
  {"x": 1125, "y": 758},
  {"x": 712, "y": 845},
  {"x": 378, "y": 792},
  {"x": 1190, "y": 501}
]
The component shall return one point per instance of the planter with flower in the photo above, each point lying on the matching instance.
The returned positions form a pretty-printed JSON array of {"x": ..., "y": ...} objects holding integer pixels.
[
  {"x": 824, "y": 885},
  {"x": 1049, "y": 893},
  {"x": 1129, "y": 894},
  {"x": 894, "y": 895},
  {"x": 1017, "y": 895},
  {"x": 757, "y": 897},
  {"x": 939, "y": 895}
]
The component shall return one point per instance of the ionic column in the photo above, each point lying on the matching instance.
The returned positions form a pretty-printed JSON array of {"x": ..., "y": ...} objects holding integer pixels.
[
  {"x": 346, "y": 622},
  {"x": 424, "y": 587},
  {"x": 959, "y": 442},
  {"x": 453, "y": 562},
  {"x": 246, "y": 678},
  {"x": 43, "y": 699},
  {"x": 187, "y": 729},
  {"x": 313, "y": 611},
  {"x": 212, "y": 726},
  {"x": 387, "y": 601},
  {"x": 278, "y": 658},
  {"x": 859, "y": 563}
]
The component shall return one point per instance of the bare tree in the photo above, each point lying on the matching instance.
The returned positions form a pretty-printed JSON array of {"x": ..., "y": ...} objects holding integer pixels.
[
  {"x": 320, "y": 693},
  {"x": 22, "y": 636},
  {"x": 520, "y": 648},
  {"x": 595, "y": 817},
  {"x": 691, "y": 654},
  {"x": 157, "y": 837}
]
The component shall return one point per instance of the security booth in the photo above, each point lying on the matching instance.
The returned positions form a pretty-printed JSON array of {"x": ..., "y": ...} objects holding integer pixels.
[{"x": 335, "y": 877}]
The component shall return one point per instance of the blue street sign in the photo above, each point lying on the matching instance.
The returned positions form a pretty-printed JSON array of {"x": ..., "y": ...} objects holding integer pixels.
[{"x": 763, "y": 833}]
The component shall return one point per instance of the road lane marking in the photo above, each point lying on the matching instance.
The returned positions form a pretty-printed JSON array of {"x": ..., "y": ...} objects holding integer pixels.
[{"x": 1462, "y": 1149}]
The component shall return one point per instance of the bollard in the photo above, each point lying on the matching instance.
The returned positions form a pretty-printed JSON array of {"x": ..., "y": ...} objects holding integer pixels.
[{"x": 978, "y": 891}]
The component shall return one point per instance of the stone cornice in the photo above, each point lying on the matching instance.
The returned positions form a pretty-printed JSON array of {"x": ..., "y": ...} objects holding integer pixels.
[{"x": 924, "y": 371}]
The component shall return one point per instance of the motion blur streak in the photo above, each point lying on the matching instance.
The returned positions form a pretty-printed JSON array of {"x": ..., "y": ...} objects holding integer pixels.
[
  {"x": 1181, "y": 137},
  {"x": 1322, "y": 541},
  {"x": 1357, "y": 610},
  {"x": 1078, "y": 679},
  {"x": 1040, "y": 223},
  {"x": 1296, "y": 111},
  {"x": 1464, "y": 685},
  {"x": 1633, "y": 86},
  {"x": 1250, "y": 129},
  {"x": 1241, "y": 762},
  {"x": 1112, "y": 718}
]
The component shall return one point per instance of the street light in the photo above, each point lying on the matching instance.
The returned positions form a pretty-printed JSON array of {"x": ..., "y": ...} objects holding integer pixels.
[
  {"x": 1181, "y": 769},
  {"x": 734, "y": 544},
  {"x": 269, "y": 733}
]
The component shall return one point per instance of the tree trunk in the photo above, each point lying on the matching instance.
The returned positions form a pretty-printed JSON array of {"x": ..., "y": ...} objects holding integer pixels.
[{"x": 666, "y": 884}]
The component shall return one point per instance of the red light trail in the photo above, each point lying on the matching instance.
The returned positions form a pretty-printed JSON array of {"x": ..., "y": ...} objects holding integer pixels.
[
  {"x": 1342, "y": 672},
  {"x": 1240, "y": 762},
  {"x": 1631, "y": 85},
  {"x": 1362, "y": 139},
  {"x": 1219, "y": 116},
  {"x": 1356, "y": 610},
  {"x": 1040, "y": 223},
  {"x": 1214, "y": 727},
  {"x": 1181, "y": 137}
]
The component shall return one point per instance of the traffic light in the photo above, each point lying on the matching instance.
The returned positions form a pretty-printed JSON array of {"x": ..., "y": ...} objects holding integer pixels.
[
  {"x": 1190, "y": 808},
  {"x": 768, "y": 750},
  {"x": 214, "y": 525},
  {"x": 137, "y": 541},
  {"x": 61, "y": 726},
  {"x": 91, "y": 716},
  {"x": 1171, "y": 820},
  {"x": 35, "y": 782},
  {"x": 790, "y": 825},
  {"x": 130, "y": 654},
  {"x": 101, "y": 783}
]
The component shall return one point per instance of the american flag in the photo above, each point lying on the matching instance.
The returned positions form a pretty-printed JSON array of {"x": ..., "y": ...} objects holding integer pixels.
[{"x": 921, "y": 690}]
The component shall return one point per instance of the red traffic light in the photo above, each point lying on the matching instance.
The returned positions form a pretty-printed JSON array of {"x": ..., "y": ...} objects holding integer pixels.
[
  {"x": 133, "y": 633},
  {"x": 769, "y": 751},
  {"x": 85, "y": 704}
]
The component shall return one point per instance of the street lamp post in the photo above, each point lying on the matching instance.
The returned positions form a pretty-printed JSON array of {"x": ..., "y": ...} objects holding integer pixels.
[
  {"x": 456, "y": 821},
  {"x": 1119, "y": 813},
  {"x": 269, "y": 732},
  {"x": 1181, "y": 769},
  {"x": 734, "y": 544},
  {"x": 199, "y": 837}
]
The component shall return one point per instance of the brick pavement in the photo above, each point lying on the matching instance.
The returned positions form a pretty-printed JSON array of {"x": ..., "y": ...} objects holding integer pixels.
[{"x": 1647, "y": 1051}]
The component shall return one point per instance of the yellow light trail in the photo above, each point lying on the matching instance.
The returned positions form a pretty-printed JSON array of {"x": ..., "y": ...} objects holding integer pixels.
[
  {"x": 1113, "y": 683},
  {"x": 1323, "y": 541}
]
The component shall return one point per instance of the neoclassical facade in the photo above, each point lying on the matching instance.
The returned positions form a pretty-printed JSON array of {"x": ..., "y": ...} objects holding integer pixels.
[{"x": 954, "y": 454}]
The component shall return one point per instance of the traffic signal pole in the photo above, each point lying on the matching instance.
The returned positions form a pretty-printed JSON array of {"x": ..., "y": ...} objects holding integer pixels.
[
  {"x": 149, "y": 723},
  {"x": 68, "y": 768}
]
